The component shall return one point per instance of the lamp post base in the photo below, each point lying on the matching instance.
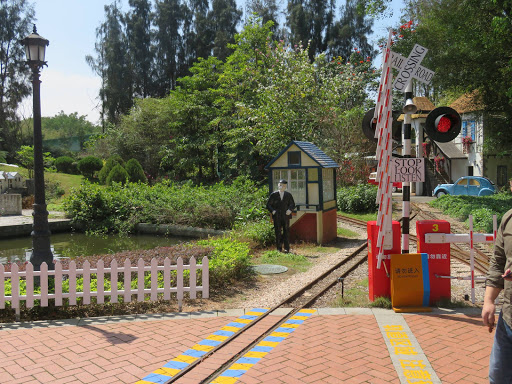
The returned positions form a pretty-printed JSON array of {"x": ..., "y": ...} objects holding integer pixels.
[{"x": 41, "y": 250}]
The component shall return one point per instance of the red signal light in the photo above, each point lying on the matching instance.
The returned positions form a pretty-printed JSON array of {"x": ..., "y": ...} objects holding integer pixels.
[{"x": 444, "y": 124}]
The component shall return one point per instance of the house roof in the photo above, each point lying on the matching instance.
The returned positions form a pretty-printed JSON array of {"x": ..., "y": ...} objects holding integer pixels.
[
  {"x": 469, "y": 102},
  {"x": 424, "y": 106},
  {"x": 8, "y": 175},
  {"x": 451, "y": 151},
  {"x": 312, "y": 151}
]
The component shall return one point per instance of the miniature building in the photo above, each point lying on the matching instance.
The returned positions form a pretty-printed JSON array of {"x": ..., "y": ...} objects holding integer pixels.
[
  {"x": 11, "y": 180},
  {"x": 311, "y": 176}
]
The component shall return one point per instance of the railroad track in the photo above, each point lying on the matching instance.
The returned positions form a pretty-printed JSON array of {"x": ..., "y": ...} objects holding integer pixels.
[{"x": 303, "y": 298}]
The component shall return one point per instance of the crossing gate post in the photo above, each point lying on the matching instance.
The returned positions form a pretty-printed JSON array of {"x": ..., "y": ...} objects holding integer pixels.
[
  {"x": 379, "y": 278},
  {"x": 438, "y": 257}
]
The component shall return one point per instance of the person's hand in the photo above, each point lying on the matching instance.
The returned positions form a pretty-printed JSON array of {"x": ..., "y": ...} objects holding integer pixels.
[
  {"x": 507, "y": 275},
  {"x": 488, "y": 312},
  {"x": 288, "y": 212},
  {"x": 273, "y": 212}
]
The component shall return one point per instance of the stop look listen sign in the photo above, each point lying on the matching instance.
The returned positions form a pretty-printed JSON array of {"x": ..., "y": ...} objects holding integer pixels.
[{"x": 408, "y": 169}]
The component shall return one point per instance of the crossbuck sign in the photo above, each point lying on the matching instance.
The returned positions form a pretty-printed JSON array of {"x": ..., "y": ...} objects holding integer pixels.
[{"x": 410, "y": 68}]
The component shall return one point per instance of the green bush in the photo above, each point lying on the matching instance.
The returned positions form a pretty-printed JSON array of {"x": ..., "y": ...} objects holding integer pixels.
[
  {"x": 89, "y": 165},
  {"x": 111, "y": 163},
  {"x": 118, "y": 208},
  {"x": 117, "y": 175},
  {"x": 229, "y": 261},
  {"x": 135, "y": 171},
  {"x": 358, "y": 199},
  {"x": 261, "y": 233},
  {"x": 65, "y": 164},
  {"x": 482, "y": 208}
]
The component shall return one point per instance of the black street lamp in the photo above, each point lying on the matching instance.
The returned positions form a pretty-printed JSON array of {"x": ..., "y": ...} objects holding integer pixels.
[{"x": 35, "y": 48}]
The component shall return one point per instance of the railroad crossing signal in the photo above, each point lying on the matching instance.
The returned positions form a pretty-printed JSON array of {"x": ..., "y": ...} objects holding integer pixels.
[
  {"x": 443, "y": 124},
  {"x": 410, "y": 68}
]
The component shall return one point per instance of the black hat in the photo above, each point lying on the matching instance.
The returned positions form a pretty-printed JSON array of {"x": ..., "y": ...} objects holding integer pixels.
[{"x": 283, "y": 181}]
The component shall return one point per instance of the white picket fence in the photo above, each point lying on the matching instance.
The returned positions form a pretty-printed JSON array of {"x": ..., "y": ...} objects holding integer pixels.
[{"x": 16, "y": 276}]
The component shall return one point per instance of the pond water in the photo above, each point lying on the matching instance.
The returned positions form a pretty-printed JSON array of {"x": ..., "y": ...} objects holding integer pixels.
[{"x": 70, "y": 245}]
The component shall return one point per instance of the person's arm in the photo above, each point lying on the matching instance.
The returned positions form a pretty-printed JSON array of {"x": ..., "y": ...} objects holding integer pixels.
[{"x": 489, "y": 308}]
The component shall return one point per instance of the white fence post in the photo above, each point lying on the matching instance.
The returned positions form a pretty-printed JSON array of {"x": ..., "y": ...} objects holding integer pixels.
[{"x": 86, "y": 272}]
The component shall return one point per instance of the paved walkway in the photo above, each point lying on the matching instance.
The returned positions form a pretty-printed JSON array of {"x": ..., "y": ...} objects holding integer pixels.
[{"x": 332, "y": 346}]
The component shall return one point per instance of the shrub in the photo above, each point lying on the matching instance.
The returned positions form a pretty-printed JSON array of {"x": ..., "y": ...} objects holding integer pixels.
[
  {"x": 358, "y": 199},
  {"x": 119, "y": 208},
  {"x": 89, "y": 165},
  {"x": 135, "y": 171},
  {"x": 111, "y": 163},
  {"x": 118, "y": 174},
  {"x": 65, "y": 164},
  {"x": 260, "y": 233},
  {"x": 482, "y": 208},
  {"x": 229, "y": 261}
]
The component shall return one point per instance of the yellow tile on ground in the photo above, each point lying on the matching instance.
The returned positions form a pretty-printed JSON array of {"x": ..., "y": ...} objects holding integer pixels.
[
  {"x": 299, "y": 317},
  {"x": 243, "y": 321},
  {"x": 254, "y": 313},
  {"x": 255, "y": 354},
  {"x": 217, "y": 337},
  {"x": 204, "y": 348},
  {"x": 287, "y": 325},
  {"x": 307, "y": 311},
  {"x": 243, "y": 367},
  {"x": 185, "y": 359},
  {"x": 167, "y": 371},
  {"x": 231, "y": 329},
  {"x": 224, "y": 380},
  {"x": 279, "y": 334},
  {"x": 268, "y": 343}
]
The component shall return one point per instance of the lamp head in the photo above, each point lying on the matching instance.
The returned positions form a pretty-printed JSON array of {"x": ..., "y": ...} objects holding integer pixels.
[
  {"x": 35, "y": 48},
  {"x": 410, "y": 107}
]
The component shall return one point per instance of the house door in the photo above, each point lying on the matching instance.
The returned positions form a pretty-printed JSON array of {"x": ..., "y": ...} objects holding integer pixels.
[{"x": 470, "y": 171}]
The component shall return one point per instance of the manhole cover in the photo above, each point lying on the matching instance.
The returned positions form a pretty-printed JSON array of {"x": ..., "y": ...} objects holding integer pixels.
[{"x": 269, "y": 269}]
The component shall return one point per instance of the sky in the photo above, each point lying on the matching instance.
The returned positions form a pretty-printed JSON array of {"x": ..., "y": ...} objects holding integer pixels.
[{"x": 68, "y": 83}]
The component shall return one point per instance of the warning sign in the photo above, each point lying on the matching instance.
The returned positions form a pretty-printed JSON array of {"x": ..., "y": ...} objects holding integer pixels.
[{"x": 406, "y": 170}]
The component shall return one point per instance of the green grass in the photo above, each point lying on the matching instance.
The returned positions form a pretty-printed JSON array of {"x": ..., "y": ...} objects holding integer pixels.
[
  {"x": 298, "y": 263},
  {"x": 343, "y": 232},
  {"x": 357, "y": 296},
  {"x": 361, "y": 216}
]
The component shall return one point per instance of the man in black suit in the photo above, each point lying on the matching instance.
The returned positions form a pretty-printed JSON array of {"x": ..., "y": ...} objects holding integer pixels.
[{"x": 281, "y": 204}]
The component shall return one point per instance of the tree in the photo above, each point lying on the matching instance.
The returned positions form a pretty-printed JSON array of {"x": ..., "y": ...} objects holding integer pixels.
[
  {"x": 16, "y": 17},
  {"x": 351, "y": 32},
  {"x": 224, "y": 18},
  {"x": 25, "y": 157},
  {"x": 64, "y": 126},
  {"x": 139, "y": 34},
  {"x": 268, "y": 11},
  {"x": 465, "y": 59},
  {"x": 113, "y": 65},
  {"x": 111, "y": 162},
  {"x": 118, "y": 175},
  {"x": 89, "y": 165},
  {"x": 135, "y": 171},
  {"x": 65, "y": 164},
  {"x": 169, "y": 20}
]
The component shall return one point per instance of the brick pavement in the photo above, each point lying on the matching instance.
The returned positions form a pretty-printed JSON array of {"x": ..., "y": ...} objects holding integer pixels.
[{"x": 330, "y": 348}]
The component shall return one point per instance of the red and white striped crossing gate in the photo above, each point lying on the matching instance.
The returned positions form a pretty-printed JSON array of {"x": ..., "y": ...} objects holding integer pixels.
[{"x": 434, "y": 238}]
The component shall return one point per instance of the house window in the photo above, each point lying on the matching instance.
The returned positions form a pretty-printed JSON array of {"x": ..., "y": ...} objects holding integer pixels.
[
  {"x": 294, "y": 158},
  {"x": 501, "y": 175},
  {"x": 469, "y": 129},
  {"x": 328, "y": 184},
  {"x": 296, "y": 182}
]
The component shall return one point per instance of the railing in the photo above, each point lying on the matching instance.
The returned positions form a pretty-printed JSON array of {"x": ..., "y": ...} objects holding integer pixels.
[{"x": 126, "y": 270}]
